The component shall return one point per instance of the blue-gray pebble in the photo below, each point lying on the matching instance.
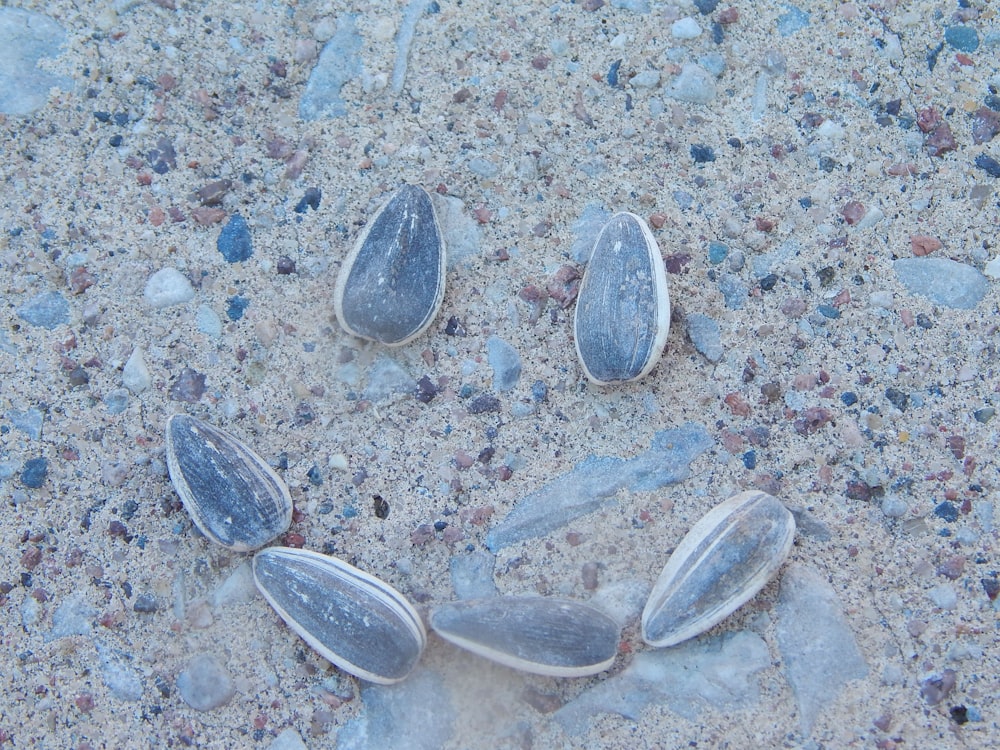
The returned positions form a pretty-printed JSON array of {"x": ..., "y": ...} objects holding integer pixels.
[
  {"x": 505, "y": 361},
  {"x": 46, "y": 310},
  {"x": 234, "y": 240},
  {"x": 944, "y": 281}
]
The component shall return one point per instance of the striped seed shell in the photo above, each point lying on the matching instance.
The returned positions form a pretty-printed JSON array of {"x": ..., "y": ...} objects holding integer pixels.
[
  {"x": 723, "y": 561},
  {"x": 623, "y": 308},
  {"x": 392, "y": 284},
  {"x": 543, "y": 635},
  {"x": 352, "y": 619},
  {"x": 230, "y": 492}
]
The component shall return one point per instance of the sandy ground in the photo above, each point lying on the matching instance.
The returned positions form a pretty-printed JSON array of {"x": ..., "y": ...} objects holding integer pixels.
[{"x": 524, "y": 87}]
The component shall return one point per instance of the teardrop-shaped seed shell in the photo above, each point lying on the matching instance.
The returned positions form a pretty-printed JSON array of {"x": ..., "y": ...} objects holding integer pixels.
[
  {"x": 724, "y": 560},
  {"x": 352, "y": 619},
  {"x": 543, "y": 635},
  {"x": 231, "y": 493},
  {"x": 623, "y": 309},
  {"x": 391, "y": 285}
]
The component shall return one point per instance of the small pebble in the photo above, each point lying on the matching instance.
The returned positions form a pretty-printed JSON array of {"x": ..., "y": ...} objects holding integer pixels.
[
  {"x": 705, "y": 335},
  {"x": 693, "y": 84},
  {"x": 168, "y": 287},
  {"x": 145, "y": 603},
  {"x": 505, "y": 361},
  {"x": 189, "y": 386},
  {"x": 702, "y": 153},
  {"x": 236, "y": 306},
  {"x": 717, "y": 252},
  {"x": 135, "y": 374},
  {"x": 944, "y": 281},
  {"x": 894, "y": 506},
  {"x": 685, "y": 28},
  {"x": 962, "y": 38},
  {"x": 947, "y": 511},
  {"x": 944, "y": 596},
  {"x": 27, "y": 38},
  {"x": 310, "y": 199},
  {"x": 208, "y": 321},
  {"x": 234, "y": 240},
  {"x": 288, "y": 739},
  {"x": 47, "y": 310},
  {"x": 205, "y": 683},
  {"x": 794, "y": 19},
  {"x": 34, "y": 473}
]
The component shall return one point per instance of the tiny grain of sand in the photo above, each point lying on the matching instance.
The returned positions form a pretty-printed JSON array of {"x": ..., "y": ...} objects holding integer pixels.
[{"x": 836, "y": 389}]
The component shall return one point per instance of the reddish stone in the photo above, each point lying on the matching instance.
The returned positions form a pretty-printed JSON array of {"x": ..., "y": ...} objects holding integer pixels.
[
  {"x": 737, "y": 405},
  {"x": 922, "y": 244},
  {"x": 853, "y": 212}
]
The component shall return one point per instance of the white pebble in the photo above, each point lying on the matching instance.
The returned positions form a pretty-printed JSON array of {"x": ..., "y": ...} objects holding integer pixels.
[
  {"x": 208, "y": 321},
  {"x": 167, "y": 287},
  {"x": 992, "y": 268},
  {"x": 685, "y": 28},
  {"x": 943, "y": 596},
  {"x": 289, "y": 739},
  {"x": 881, "y": 299},
  {"x": 647, "y": 79},
  {"x": 135, "y": 374}
]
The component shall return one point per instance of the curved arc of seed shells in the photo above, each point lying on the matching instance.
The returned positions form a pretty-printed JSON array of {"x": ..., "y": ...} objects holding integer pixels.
[
  {"x": 542, "y": 635},
  {"x": 622, "y": 315},
  {"x": 392, "y": 283},
  {"x": 230, "y": 492},
  {"x": 720, "y": 564},
  {"x": 352, "y": 619}
]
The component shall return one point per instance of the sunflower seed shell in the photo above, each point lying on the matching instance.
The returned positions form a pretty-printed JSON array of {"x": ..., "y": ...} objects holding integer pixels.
[
  {"x": 352, "y": 619},
  {"x": 230, "y": 492},
  {"x": 623, "y": 309},
  {"x": 392, "y": 284},
  {"x": 542, "y": 635},
  {"x": 722, "y": 562}
]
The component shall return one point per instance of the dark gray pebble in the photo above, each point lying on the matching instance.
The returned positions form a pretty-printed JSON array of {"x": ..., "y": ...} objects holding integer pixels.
[
  {"x": 34, "y": 473},
  {"x": 989, "y": 165},
  {"x": 234, "y": 240},
  {"x": 145, "y": 603},
  {"x": 310, "y": 199},
  {"x": 897, "y": 398},
  {"x": 947, "y": 511},
  {"x": 484, "y": 403}
]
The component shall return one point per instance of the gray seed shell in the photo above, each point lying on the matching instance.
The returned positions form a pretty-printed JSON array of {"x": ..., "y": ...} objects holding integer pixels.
[
  {"x": 722, "y": 562},
  {"x": 623, "y": 309},
  {"x": 392, "y": 284},
  {"x": 230, "y": 492},
  {"x": 357, "y": 622},
  {"x": 542, "y": 635}
]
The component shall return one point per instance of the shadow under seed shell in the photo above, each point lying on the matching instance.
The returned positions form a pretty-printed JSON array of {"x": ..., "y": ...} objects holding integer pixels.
[
  {"x": 623, "y": 309},
  {"x": 720, "y": 564},
  {"x": 542, "y": 635},
  {"x": 352, "y": 619},
  {"x": 392, "y": 284},
  {"x": 230, "y": 492}
]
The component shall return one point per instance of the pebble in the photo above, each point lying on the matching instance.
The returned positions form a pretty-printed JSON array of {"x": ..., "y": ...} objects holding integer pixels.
[
  {"x": 894, "y": 506},
  {"x": 288, "y": 739},
  {"x": 310, "y": 199},
  {"x": 717, "y": 252},
  {"x": 73, "y": 616},
  {"x": 636, "y": 6},
  {"x": 735, "y": 293},
  {"x": 718, "y": 672},
  {"x": 505, "y": 361},
  {"x": 189, "y": 386},
  {"x": 647, "y": 79},
  {"x": 135, "y": 374},
  {"x": 238, "y": 588},
  {"x": 145, "y": 604},
  {"x": 338, "y": 63},
  {"x": 962, "y": 38},
  {"x": 417, "y": 714},
  {"x": 27, "y": 38},
  {"x": 116, "y": 401},
  {"x": 944, "y": 281},
  {"x": 34, "y": 473},
  {"x": 693, "y": 84},
  {"x": 792, "y": 20},
  {"x": 234, "y": 240},
  {"x": 208, "y": 321},
  {"x": 120, "y": 677},
  {"x": 944, "y": 596},
  {"x": 205, "y": 683},
  {"x": 817, "y": 646},
  {"x": 988, "y": 164},
  {"x": 404, "y": 40},
  {"x": 483, "y": 168},
  {"x": 472, "y": 575},
  {"x": 705, "y": 335},
  {"x": 46, "y": 310},
  {"x": 236, "y": 306},
  {"x": 168, "y": 287},
  {"x": 29, "y": 422},
  {"x": 685, "y": 28},
  {"x": 595, "y": 481},
  {"x": 388, "y": 380}
]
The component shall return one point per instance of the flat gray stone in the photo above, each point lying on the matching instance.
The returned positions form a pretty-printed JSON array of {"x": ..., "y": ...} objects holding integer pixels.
[
  {"x": 818, "y": 648},
  {"x": 46, "y": 310},
  {"x": 718, "y": 672},
  {"x": 120, "y": 677},
  {"x": 339, "y": 62},
  {"x": 944, "y": 281},
  {"x": 205, "y": 683},
  {"x": 705, "y": 335},
  {"x": 505, "y": 361},
  {"x": 26, "y": 38}
]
